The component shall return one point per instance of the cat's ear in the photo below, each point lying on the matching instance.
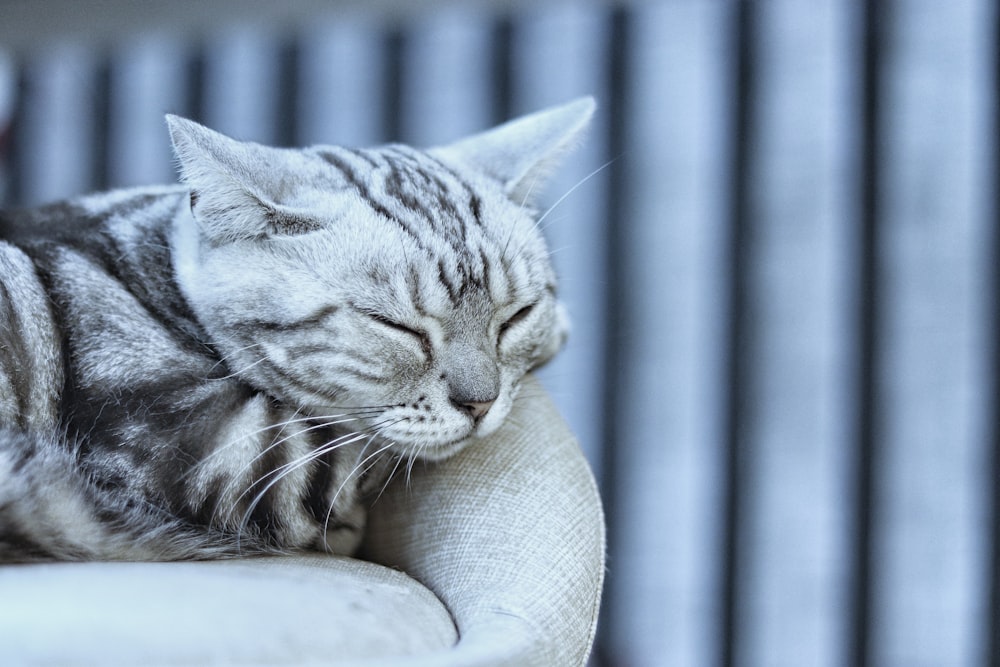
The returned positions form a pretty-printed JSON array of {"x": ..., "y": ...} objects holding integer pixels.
[
  {"x": 522, "y": 153},
  {"x": 229, "y": 183}
]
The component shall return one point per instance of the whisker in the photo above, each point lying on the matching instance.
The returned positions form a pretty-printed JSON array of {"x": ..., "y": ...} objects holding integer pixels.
[
  {"x": 281, "y": 441},
  {"x": 242, "y": 370},
  {"x": 222, "y": 360},
  {"x": 523, "y": 205},
  {"x": 392, "y": 473},
  {"x": 538, "y": 222},
  {"x": 284, "y": 470},
  {"x": 337, "y": 419},
  {"x": 410, "y": 461},
  {"x": 357, "y": 467},
  {"x": 573, "y": 189}
]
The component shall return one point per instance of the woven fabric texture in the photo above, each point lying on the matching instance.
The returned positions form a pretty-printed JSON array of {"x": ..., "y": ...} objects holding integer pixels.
[{"x": 510, "y": 535}]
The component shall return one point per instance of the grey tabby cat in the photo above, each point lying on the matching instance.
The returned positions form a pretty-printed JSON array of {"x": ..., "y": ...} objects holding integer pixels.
[{"x": 231, "y": 366}]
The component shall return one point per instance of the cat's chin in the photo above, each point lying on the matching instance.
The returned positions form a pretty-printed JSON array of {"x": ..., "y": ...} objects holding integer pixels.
[
  {"x": 438, "y": 452},
  {"x": 442, "y": 451}
]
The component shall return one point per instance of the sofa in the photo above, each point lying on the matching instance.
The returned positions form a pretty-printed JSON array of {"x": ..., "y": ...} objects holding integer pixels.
[{"x": 494, "y": 557}]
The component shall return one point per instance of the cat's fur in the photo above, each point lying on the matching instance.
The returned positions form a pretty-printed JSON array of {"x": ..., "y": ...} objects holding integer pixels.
[{"x": 230, "y": 366}]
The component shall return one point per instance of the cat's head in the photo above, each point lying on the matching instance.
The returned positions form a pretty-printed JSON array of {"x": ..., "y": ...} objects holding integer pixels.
[{"x": 408, "y": 291}]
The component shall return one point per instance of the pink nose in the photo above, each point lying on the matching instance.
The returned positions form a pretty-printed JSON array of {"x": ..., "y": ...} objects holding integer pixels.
[{"x": 477, "y": 409}]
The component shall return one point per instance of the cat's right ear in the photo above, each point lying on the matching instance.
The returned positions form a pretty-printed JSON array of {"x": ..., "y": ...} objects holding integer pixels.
[
  {"x": 228, "y": 196},
  {"x": 523, "y": 152}
]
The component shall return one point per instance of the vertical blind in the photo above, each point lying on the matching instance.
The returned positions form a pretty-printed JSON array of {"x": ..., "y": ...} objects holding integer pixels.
[{"x": 779, "y": 247}]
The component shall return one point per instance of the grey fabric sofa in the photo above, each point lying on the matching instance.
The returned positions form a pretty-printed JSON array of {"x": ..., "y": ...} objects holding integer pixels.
[{"x": 495, "y": 557}]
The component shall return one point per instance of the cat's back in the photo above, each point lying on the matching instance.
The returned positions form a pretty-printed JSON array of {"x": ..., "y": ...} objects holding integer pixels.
[
  {"x": 89, "y": 221},
  {"x": 86, "y": 287}
]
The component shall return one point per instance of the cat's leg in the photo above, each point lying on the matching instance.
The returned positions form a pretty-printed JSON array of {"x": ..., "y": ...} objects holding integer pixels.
[{"x": 343, "y": 533}]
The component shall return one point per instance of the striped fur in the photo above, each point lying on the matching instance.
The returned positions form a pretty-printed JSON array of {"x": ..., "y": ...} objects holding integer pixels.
[{"x": 233, "y": 365}]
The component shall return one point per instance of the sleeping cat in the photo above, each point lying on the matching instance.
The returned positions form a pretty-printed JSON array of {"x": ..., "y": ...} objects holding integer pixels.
[{"x": 231, "y": 366}]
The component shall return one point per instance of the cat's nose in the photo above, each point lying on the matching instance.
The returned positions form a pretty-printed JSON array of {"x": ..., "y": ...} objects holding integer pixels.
[{"x": 476, "y": 409}]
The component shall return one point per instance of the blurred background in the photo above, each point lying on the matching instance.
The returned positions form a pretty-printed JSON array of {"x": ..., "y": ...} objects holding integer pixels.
[{"x": 783, "y": 274}]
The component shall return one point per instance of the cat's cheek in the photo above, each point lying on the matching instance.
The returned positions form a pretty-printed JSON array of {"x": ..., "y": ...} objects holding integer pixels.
[
  {"x": 406, "y": 366},
  {"x": 488, "y": 426},
  {"x": 558, "y": 335}
]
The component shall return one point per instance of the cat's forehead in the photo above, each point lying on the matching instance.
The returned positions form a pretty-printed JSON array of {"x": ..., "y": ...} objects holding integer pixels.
[
  {"x": 442, "y": 209},
  {"x": 398, "y": 175},
  {"x": 420, "y": 224}
]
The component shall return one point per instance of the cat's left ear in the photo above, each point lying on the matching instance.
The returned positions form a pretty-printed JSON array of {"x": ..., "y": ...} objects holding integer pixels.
[{"x": 522, "y": 153}]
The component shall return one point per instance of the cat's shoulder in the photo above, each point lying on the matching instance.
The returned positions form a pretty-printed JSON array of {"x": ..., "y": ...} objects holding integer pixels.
[{"x": 81, "y": 216}]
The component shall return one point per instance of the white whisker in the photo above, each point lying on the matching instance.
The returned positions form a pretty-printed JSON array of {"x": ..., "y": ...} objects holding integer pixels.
[
  {"x": 222, "y": 360},
  {"x": 521, "y": 207},
  {"x": 342, "y": 418},
  {"x": 538, "y": 222},
  {"x": 284, "y": 470},
  {"x": 392, "y": 473},
  {"x": 357, "y": 467},
  {"x": 278, "y": 443},
  {"x": 275, "y": 475},
  {"x": 573, "y": 189},
  {"x": 412, "y": 459},
  {"x": 234, "y": 374}
]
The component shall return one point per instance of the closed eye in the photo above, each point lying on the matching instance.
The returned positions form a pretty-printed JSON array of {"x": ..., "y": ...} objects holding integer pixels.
[
  {"x": 425, "y": 340},
  {"x": 516, "y": 318}
]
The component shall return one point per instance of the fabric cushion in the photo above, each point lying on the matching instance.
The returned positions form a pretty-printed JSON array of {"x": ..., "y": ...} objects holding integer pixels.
[
  {"x": 510, "y": 535},
  {"x": 276, "y": 611}
]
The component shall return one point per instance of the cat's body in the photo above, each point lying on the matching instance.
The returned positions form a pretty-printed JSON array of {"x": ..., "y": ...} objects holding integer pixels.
[{"x": 231, "y": 366}]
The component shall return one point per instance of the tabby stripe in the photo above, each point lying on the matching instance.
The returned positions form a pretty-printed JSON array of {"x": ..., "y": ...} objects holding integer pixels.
[
  {"x": 416, "y": 294},
  {"x": 443, "y": 191},
  {"x": 487, "y": 278},
  {"x": 300, "y": 384},
  {"x": 451, "y": 224},
  {"x": 15, "y": 355},
  {"x": 365, "y": 193},
  {"x": 454, "y": 291},
  {"x": 363, "y": 155},
  {"x": 342, "y": 368},
  {"x": 104, "y": 252},
  {"x": 474, "y": 202},
  {"x": 450, "y": 227},
  {"x": 307, "y": 349},
  {"x": 394, "y": 188},
  {"x": 316, "y": 320},
  {"x": 314, "y": 500},
  {"x": 262, "y": 516},
  {"x": 24, "y": 548},
  {"x": 476, "y": 207}
]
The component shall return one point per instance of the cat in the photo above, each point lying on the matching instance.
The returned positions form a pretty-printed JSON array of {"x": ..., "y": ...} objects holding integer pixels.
[{"x": 232, "y": 365}]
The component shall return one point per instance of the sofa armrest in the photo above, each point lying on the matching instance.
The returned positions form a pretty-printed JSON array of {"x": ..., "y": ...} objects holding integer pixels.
[{"x": 509, "y": 534}]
